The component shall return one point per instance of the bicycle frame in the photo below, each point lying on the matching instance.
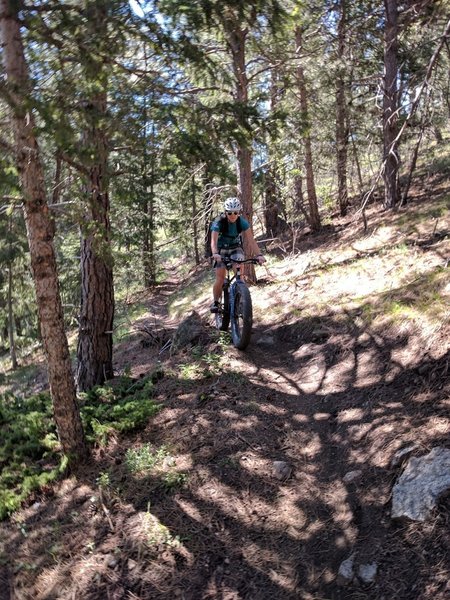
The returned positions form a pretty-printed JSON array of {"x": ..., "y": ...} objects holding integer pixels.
[{"x": 237, "y": 304}]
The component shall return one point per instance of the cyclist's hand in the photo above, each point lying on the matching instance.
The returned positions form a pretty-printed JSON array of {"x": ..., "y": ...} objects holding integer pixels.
[
  {"x": 261, "y": 259},
  {"x": 217, "y": 257}
]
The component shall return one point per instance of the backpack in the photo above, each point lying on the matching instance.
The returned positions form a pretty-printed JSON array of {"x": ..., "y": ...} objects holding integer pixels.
[{"x": 223, "y": 224}]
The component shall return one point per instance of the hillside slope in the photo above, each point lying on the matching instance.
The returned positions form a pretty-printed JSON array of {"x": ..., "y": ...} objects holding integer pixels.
[{"x": 349, "y": 362}]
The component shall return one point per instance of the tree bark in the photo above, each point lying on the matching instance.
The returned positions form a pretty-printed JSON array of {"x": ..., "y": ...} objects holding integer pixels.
[
  {"x": 314, "y": 217},
  {"x": 194, "y": 221},
  {"x": 94, "y": 352},
  {"x": 12, "y": 342},
  {"x": 40, "y": 232},
  {"x": 236, "y": 41},
  {"x": 390, "y": 106},
  {"x": 341, "y": 113},
  {"x": 148, "y": 180},
  {"x": 272, "y": 220},
  {"x": 271, "y": 209}
]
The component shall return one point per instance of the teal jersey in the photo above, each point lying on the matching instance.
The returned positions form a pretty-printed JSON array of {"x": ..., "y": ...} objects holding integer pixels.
[{"x": 229, "y": 236}]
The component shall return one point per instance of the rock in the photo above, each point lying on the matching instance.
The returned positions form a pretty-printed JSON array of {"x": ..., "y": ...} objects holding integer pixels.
[
  {"x": 351, "y": 476},
  {"x": 131, "y": 564},
  {"x": 281, "y": 470},
  {"x": 111, "y": 561},
  {"x": 421, "y": 484},
  {"x": 367, "y": 573},
  {"x": 266, "y": 340},
  {"x": 402, "y": 454},
  {"x": 346, "y": 570},
  {"x": 189, "y": 332}
]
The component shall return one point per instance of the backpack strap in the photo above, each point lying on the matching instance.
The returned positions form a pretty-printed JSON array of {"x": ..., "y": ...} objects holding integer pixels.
[
  {"x": 223, "y": 226},
  {"x": 223, "y": 223}
]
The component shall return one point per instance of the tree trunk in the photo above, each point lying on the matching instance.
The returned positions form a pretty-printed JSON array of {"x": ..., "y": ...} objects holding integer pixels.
[
  {"x": 195, "y": 221},
  {"x": 390, "y": 106},
  {"x": 208, "y": 204},
  {"x": 148, "y": 237},
  {"x": 314, "y": 217},
  {"x": 94, "y": 352},
  {"x": 148, "y": 241},
  {"x": 299, "y": 200},
  {"x": 236, "y": 40},
  {"x": 40, "y": 232},
  {"x": 12, "y": 343},
  {"x": 272, "y": 209},
  {"x": 341, "y": 114}
]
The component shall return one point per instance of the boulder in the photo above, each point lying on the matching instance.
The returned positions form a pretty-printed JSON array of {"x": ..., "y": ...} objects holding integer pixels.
[
  {"x": 190, "y": 332},
  {"x": 346, "y": 570},
  {"x": 421, "y": 484}
]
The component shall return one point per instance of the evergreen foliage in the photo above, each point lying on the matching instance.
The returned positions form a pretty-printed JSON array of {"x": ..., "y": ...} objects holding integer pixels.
[{"x": 30, "y": 454}]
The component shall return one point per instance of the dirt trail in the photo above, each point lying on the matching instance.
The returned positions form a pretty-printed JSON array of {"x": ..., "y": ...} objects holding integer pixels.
[{"x": 331, "y": 396}]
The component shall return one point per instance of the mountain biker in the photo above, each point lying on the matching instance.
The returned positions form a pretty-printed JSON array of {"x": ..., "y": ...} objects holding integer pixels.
[{"x": 226, "y": 240}]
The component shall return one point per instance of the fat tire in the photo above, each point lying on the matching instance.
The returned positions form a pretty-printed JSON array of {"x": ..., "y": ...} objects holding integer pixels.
[
  {"x": 222, "y": 317},
  {"x": 242, "y": 318}
]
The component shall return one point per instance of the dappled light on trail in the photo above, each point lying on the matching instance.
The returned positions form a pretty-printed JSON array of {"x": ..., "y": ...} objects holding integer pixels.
[{"x": 266, "y": 470}]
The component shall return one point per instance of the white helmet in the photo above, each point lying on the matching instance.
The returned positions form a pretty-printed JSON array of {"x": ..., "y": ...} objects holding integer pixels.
[{"x": 232, "y": 204}]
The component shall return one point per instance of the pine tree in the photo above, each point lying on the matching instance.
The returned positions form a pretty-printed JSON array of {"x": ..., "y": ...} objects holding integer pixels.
[{"x": 40, "y": 229}]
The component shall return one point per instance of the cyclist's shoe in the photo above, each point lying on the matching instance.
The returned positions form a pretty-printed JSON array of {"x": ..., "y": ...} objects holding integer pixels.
[{"x": 214, "y": 308}]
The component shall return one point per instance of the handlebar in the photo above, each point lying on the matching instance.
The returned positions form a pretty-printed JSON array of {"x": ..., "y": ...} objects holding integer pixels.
[{"x": 227, "y": 261}]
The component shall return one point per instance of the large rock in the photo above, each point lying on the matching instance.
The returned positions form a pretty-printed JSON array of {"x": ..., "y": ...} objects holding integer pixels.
[
  {"x": 421, "y": 484},
  {"x": 190, "y": 332},
  {"x": 346, "y": 570}
]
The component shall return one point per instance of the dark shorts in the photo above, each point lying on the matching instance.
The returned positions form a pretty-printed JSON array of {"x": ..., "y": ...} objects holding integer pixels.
[{"x": 232, "y": 253}]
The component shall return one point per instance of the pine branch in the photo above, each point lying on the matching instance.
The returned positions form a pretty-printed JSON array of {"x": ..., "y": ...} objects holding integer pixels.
[
  {"x": 14, "y": 198},
  {"x": 73, "y": 163}
]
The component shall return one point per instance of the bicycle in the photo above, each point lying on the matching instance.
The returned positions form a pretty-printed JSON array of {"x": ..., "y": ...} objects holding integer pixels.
[{"x": 236, "y": 305}]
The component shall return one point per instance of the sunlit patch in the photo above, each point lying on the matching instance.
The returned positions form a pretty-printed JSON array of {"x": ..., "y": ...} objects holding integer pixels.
[
  {"x": 351, "y": 414},
  {"x": 341, "y": 542},
  {"x": 249, "y": 422},
  {"x": 292, "y": 515},
  {"x": 305, "y": 442},
  {"x": 272, "y": 409},
  {"x": 300, "y": 418},
  {"x": 320, "y": 416},
  {"x": 315, "y": 528}
]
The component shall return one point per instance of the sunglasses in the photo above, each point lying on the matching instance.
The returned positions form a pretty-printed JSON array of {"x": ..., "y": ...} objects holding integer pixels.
[{"x": 232, "y": 213}]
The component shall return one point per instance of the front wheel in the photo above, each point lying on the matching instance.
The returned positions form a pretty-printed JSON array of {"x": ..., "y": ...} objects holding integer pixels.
[
  {"x": 242, "y": 317},
  {"x": 222, "y": 316}
]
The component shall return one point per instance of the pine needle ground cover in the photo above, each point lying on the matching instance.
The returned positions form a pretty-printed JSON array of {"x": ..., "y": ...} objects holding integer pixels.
[{"x": 348, "y": 364}]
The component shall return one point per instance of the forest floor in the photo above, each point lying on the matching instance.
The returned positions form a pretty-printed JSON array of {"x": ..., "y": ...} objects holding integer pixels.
[{"x": 348, "y": 363}]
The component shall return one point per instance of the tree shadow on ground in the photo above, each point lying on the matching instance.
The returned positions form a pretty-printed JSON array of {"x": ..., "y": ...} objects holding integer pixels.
[{"x": 328, "y": 398}]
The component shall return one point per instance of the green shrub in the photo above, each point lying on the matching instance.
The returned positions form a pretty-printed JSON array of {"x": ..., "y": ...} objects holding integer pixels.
[
  {"x": 145, "y": 458},
  {"x": 123, "y": 408},
  {"x": 30, "y": 454}
]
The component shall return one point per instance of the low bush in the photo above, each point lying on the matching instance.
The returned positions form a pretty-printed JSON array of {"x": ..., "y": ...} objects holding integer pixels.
[{"x": 30, "y": 454}]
